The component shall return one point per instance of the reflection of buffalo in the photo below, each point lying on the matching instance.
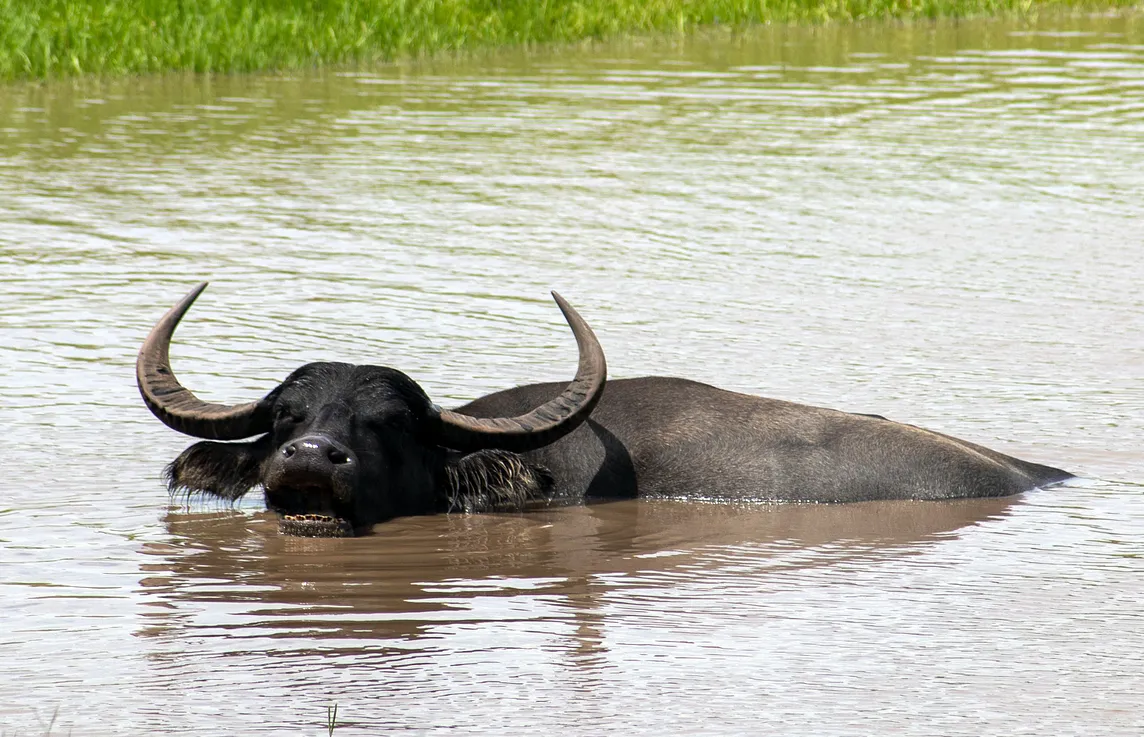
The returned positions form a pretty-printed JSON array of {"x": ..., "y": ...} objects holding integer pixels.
[
  {"x": 431, "y": 570},
  {"x": 342, "y": 446}
]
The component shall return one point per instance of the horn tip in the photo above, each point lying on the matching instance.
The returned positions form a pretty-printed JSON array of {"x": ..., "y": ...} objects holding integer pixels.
[
  {"x": 570, "y": 313},
  {"x": 192, "y": 295}
]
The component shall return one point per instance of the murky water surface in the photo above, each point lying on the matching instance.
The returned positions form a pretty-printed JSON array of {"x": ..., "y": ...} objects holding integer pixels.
[{"x": 943, "y": 224}]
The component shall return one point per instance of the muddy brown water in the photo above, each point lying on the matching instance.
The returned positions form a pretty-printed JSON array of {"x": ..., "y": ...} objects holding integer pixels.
[{"x": 940, "y": 223}]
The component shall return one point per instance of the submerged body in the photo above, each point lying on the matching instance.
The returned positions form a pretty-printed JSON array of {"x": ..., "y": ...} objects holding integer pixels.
[
  {"x": 658, "y": 436},
  {"x": 337, "y": 447}
]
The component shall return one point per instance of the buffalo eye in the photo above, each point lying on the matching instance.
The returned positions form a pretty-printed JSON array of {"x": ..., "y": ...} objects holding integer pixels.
[
  {"x": 398, "y": 422},
  {"x": 287, "y": 414}
]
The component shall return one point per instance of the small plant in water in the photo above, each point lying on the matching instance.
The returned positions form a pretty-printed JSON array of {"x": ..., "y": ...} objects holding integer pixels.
[
  {"x": 51, "y": 722},
  {"x": 331, "y": 718}
]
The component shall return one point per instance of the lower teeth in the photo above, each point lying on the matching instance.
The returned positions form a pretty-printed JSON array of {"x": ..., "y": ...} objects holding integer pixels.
[{"x": 314, "y": 525}]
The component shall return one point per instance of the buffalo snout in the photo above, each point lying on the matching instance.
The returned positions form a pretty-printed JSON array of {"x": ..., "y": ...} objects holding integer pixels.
[
  {"x": 313, "y": 462},
  {"x": 314, "y": 453},
  {"x": 314, "y": 459},
  {"x": 310, "y": 481}
]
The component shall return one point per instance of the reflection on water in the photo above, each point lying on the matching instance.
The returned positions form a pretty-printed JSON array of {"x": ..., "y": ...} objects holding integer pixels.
[
  {"x": 461, "y": 592},
  {"x": 939, "y": 223},
  {"x": 389, "y": 585}
]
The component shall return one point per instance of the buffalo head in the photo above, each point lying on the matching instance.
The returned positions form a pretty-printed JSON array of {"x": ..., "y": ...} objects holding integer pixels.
[{"x": 337, "y": 447}]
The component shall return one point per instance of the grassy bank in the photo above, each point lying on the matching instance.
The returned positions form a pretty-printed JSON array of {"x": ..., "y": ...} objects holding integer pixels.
[{"x": 46, "y": 38}]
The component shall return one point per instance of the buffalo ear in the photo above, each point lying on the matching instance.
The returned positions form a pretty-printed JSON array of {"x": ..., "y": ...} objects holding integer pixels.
[
  {"x": 226, "y": 470},
  {"x": 495, "y": 481}
]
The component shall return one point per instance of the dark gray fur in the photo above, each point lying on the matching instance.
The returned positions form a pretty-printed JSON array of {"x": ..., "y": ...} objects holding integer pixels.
[
  {"x": 647, "y": 437},
  {"x": 670, "y": 437}
]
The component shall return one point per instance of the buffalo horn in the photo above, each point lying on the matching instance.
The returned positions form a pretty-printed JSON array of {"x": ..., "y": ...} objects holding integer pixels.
[
  {"x": 547, "y": 423},
  {"x": 176, "y": 406}
]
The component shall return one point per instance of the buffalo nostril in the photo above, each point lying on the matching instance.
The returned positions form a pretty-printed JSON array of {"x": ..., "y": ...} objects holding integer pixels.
[
  {"x": 289, "y": 450},
  {"x": 337, "y": 457}
]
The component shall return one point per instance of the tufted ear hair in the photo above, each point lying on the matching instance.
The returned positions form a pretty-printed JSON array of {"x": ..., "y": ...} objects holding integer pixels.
[
  {"x": 226, "y": 470},
  {"x": 496, "y": 481}
]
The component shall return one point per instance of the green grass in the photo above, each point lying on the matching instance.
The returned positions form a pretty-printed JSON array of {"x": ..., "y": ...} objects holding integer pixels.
[{"x": 48, "y": 38}]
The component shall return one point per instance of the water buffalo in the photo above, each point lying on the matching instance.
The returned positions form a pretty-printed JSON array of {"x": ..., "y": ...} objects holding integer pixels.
[{"x": 337, "y": 447}]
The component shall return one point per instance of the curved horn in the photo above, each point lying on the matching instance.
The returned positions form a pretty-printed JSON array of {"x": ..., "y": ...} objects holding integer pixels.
[
  {"x": 547, "y": 423},
  {"x": 174, "y": 405}
]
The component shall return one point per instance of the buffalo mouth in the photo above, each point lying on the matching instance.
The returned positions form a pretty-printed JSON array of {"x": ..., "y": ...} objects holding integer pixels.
[
  {"x": 309, "y": 511},
  {"x": 314, "y": 525}
]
